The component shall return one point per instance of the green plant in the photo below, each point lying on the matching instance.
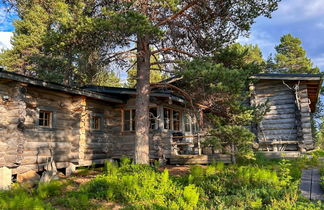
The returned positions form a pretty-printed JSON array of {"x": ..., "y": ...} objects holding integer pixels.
[
  {"x": 20, "y": 198},
  {"x": 76, "y": 200},
  {"x": 53, "y": 188}
]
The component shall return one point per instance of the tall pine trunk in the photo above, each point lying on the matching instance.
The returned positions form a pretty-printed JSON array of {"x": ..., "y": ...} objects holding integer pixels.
[{"x": 142, "y": 101}]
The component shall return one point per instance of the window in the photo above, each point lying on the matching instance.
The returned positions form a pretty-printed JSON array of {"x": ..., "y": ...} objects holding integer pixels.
[
  {"x": 172, "y": 119},
  {"x": 187, "y": 122},
  {"x": 154, "y": 123},
  {"x": 95, "y": 123},
  {"x": 129, "y": 120},
  {"x": 45, "y": 119},
  {"x": 176, "y": 120},
  {"x": 195, "y": 127},
  {"x": 167, "y": 118}
]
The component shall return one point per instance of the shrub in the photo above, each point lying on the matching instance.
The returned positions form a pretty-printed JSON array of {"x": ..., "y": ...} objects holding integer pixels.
[
  {"x": 45, "y": 190},
  {"x": 140, "y": 187},
  {"x": 20, "y": 198}
]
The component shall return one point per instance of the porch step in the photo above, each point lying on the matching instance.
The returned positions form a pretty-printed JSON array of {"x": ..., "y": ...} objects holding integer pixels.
[{"x": 199, "y": 159}]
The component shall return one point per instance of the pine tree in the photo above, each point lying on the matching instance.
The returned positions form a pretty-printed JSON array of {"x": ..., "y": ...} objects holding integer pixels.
[
  {"x": 291, "y": 57},
  {"x": 51, "y": 42},
  {"x": 155, "y": 75},
  {"x": 175, "y": 30}
]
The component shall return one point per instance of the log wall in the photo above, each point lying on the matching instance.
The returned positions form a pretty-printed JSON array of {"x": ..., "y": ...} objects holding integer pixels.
[
  {"x": 286, "y": 119},
  {"x": 26, "y": 146}
]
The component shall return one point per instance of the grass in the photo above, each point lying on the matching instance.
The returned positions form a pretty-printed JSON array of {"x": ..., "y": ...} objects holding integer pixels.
[{"x": 257, "y": 184}]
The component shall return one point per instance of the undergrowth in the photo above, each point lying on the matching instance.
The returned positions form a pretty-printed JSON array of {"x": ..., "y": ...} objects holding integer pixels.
[{"x": 257, "y": 184}]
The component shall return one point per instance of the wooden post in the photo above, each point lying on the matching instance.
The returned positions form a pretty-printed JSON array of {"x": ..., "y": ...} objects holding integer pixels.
[
  {"x": 199, "y": 148},
  {"x": 83, "y": 126}
]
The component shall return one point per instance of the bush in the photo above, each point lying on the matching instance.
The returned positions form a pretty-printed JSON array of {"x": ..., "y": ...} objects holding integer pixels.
[
  {"x": 20, "y": 198},
  {"x": 141, "y": 186}
]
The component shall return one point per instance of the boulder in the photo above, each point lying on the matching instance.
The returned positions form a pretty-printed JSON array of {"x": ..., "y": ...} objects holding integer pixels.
[
  {"x": 48, "y": 176},
  {"x": 70, "y": 169},
  {"x": 30, "y": 177},
  {"x": 5, "y": 178}
]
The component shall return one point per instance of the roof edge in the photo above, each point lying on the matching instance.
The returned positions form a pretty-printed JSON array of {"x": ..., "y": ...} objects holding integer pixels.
[
  {"x": 55, "y": 86},
  {"x": 287, "y": 76}
]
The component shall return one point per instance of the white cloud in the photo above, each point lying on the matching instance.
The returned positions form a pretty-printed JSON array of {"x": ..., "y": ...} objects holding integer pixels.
[
  {"x": 319, "y": 61},
  {"x": 5, "y": 40},
  {"x": 298, "y": 10},
  {"x": 260, "y": 38},
  {"x": 320, "y": 25}
]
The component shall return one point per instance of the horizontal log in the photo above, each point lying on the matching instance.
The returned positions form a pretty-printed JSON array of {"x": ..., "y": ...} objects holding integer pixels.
[
  {"x": 91, "y": 162},
  {"x": 274, "y": 103},
  {"x": 282, "y": 116},
  {"x": 278, "y": 142},
  {"x": 277, "y": 137},
  {"x": 281, "y": 111},
  {"x": 283, "y": 106},
  {"x": 279, "y": 132},
  {"x": 54, "y": 145},
  {"x": 278, "y": 121},
  {"x": 96, "y": 156},
  {"x": 274, "y": 97},
  {"x": 44, "y": 159},
  {"x": 277, "y": 126}
]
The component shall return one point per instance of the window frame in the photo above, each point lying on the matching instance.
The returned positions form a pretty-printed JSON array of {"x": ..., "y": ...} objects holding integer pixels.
[
  {"x": 131, "y": 121},
  {"x": 171, "y": 119},
  {"x": 52, "y": 118},
  {"x": 187, "y": 122},
  {"x": 44, "y": 119},
  {"x": 100, "y": 116}
]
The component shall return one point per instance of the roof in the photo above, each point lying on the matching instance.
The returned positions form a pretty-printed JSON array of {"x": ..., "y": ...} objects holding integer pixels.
[
  {"x": 132, "y": 91},
  {"x": 281, "y": 76},
  {"x": 54, "y": 86},
  {"x": 313, "y": 82}
]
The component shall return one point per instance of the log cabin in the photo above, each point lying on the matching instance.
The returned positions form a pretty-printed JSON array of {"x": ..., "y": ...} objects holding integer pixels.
[
  {"x": 43, "y": 121},
  {"x": 290, "y": 100}
]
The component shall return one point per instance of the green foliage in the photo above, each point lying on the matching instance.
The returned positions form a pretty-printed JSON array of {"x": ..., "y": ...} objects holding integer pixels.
[
  {"x": 155, "y": 75},
  {"x": 46, "y": 190},
  {"x": 20, "y": 198},
  {"x": 106, "y": 78},
  {"x": 141, "y": 186},
  {"x": 291, "y": 57},
  {"x": 57, "y": 45},
  {"x": 75, "y": 200},
  {"x": 259, "y": 184},
  {"x": 221, "y": 84},
  {"x": 322, "y": 177}
]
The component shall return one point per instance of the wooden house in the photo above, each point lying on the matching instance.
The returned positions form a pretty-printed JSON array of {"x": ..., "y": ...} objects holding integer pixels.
[
  {"x": 290, "y": 101},
  {"x": 40, "y": 121}
]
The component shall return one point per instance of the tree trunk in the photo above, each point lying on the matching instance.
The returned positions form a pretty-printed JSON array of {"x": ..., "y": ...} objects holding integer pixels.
[
  {"x": 233, "y": 149},
  {"x": 142, "y": 101}
]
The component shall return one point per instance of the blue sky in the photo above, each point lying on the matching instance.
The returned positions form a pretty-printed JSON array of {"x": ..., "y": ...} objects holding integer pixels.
[{"x": 301, "y": 18}]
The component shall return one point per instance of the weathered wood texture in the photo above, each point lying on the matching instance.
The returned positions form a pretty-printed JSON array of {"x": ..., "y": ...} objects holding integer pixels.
[
  {"x": 24, "y": 145},
  {"x": 288, "y": 118}
]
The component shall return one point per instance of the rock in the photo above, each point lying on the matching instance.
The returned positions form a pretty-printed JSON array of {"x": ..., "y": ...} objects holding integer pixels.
[
  {"x": 48, "y": 176},
  {"x": 5, "y": 178},
  {"x": 70, "y": 169},
  {"x": 30, "y": 177}
]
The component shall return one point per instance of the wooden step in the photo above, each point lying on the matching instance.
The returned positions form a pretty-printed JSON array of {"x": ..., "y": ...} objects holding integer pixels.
[{"x": 198, "y": 159}]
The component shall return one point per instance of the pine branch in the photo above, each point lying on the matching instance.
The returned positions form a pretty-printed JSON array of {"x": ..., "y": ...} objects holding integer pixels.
[
  {"x": 176, "y": 15},
  {"x": 172, "y": 49}
]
